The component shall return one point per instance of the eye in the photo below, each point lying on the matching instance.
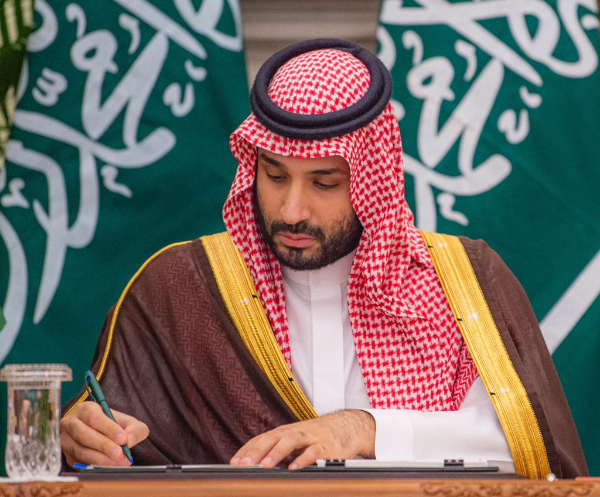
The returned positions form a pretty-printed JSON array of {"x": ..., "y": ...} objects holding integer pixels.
[
  {"x": 323, "y": 186},
  {"x": 274, "y": 177}
]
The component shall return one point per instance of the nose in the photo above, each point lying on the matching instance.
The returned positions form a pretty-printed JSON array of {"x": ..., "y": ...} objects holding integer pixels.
[{"x": 295, "y": 206}]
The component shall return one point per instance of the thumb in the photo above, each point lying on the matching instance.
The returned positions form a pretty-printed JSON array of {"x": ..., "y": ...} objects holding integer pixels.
[{"x": 135, "y": 429}]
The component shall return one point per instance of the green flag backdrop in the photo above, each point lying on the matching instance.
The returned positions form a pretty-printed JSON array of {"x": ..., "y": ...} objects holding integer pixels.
[
  {"x": 16, "y": 20},
  {"x": 119, "y": 146},
  {"x": 499, "y": 108}
]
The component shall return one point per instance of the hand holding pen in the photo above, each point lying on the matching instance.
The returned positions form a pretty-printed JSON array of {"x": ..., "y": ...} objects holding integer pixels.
[
  {"x": 97, "y": 395},
  {"x": 89, "y": 436}
]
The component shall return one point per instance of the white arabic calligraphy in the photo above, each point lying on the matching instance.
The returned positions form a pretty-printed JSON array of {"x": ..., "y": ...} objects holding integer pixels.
[
  {"x": 430, "y": 80},
  {"x": 93, "y": 53}
]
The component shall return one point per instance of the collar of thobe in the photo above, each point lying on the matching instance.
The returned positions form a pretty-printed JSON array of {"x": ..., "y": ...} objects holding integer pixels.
[{"x": 336, "y": 273}]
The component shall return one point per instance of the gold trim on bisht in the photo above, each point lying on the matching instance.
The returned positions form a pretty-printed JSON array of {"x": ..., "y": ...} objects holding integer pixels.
[
  {"x": 247, "y": 313},
  {"x": 113, "y": 321},
  {"x": 489, "y": 353}
]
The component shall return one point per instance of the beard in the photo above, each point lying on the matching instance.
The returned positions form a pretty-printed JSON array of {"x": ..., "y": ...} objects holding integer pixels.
[{"x": 335, "y": 242}]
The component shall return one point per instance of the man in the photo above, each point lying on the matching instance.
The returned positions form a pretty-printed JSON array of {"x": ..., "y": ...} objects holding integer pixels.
[{"x": 402, "y": 344}]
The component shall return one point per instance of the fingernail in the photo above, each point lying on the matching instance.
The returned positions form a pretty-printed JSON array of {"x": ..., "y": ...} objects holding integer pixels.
[
  {"x": 116, "y": 453},
  {"x": 120, "y": 439},
  {"x": 235, "y": 460},
  {"x": 266, "y": 461},
  {"x": 247, "y": 460},
  {"x": 293, "y": 466}
]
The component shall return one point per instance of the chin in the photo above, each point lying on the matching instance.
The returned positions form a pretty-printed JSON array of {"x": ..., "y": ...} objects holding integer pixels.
[{"x": 302, "y": 262}]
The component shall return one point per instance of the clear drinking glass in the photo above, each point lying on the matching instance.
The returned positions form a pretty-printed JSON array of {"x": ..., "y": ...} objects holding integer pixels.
[{"x": 33, "y": 439}]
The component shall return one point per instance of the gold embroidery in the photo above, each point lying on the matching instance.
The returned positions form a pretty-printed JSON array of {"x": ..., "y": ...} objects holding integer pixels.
[
  {"x": 489, "y": 353},
  {"x": 246, "y": 311}
]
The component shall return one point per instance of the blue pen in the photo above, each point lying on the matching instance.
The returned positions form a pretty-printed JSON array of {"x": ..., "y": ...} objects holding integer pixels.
[{"x": 93, "y": 388}]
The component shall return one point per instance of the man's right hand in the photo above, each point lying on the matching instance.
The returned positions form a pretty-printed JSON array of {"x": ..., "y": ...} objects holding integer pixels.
[{"x": 88, "y": 436}]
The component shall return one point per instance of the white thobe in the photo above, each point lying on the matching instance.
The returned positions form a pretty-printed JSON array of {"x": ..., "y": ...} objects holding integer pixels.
[{"x": 326, "y": 367}]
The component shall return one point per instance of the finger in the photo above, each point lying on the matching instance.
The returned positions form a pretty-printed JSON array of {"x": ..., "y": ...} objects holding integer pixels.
[
  {"x": 258, "y": 451},
  {"x": 76, "y": 453},
  {"x": 284, "y": 447},
  {"x": 91, "y": 414},
  {"x": 135, "y": 430},
  {"x": 244, "y": 455},
  {"x": 83, "y": 435},
  {"x": 308, "y": 457},
  {"x": 256, "y": 448}
]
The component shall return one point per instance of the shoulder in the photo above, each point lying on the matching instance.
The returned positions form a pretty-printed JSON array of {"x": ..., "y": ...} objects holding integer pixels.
[
  {"x": 503, "y": 291},
  {"x": 484, "y": 259},
  {"x": 173, "y": 265},
  {"x": 494, "y": 277},
  {"x": 168, "y": 256},
  {"x": 478, "y": 249}
]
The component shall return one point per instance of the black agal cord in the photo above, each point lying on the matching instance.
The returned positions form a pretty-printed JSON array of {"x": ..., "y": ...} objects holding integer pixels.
[{"x": 328, "y": 125}]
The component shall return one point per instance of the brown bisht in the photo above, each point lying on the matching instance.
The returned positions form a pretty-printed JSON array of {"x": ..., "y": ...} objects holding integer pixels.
[
  {"x": 174, "y": 359},
  {"x": 507, "y": 346}
]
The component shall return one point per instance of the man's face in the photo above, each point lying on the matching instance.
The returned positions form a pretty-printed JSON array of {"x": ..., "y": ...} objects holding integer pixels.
[{"x": 303, "y": 209}]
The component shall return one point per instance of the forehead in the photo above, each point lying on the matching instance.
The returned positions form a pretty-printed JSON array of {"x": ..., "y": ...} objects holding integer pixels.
[{"x": 332, "y": 164}]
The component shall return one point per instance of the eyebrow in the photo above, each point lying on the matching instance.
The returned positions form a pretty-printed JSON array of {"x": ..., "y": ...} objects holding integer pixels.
[
  {"x": 273, "y": 162},
  {"x": 316, "y": 172}
]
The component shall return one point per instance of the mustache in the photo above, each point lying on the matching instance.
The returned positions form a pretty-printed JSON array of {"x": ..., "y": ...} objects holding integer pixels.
[{"x": 301, "y": 228}]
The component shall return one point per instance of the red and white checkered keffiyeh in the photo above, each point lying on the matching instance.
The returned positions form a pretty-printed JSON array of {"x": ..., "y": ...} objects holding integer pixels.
[{"x": 409, "y": 347}]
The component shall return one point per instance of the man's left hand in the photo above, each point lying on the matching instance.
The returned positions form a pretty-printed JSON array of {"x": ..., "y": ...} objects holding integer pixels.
[{"x": 340, "y": 435}]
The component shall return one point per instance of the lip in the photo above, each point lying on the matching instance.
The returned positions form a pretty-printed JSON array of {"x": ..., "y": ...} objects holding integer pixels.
[{"x": 296, "y": 241}]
